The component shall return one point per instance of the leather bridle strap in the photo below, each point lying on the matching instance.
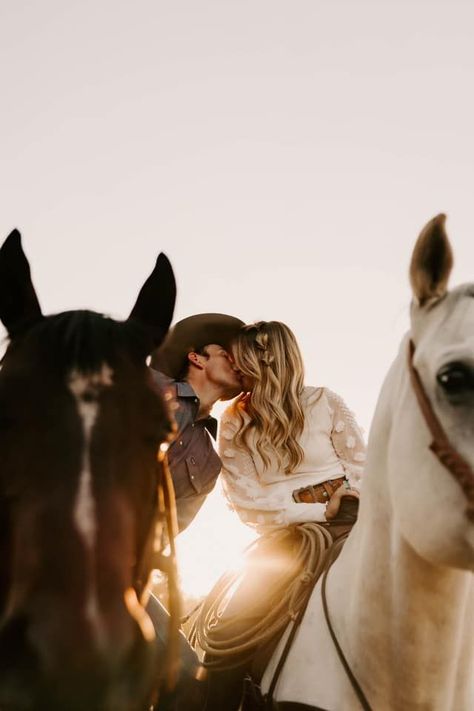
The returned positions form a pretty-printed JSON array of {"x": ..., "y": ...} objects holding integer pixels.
[
  {"x": 440, "y": 446},
  {"x": 167, "y": 510},
  {"x": 164, "y": 519}
]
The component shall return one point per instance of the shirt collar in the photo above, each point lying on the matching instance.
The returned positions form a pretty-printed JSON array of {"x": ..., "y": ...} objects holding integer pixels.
[
  {"x": 184, "y": 389},
  {"x": 210, "y": 423}
]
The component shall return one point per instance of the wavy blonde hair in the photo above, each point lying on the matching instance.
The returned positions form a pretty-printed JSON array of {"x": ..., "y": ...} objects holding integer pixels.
[{"x": 267, "y": 352}]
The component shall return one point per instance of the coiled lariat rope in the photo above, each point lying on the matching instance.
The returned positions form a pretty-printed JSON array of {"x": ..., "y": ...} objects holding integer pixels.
[{"x": 223, "y": 635}]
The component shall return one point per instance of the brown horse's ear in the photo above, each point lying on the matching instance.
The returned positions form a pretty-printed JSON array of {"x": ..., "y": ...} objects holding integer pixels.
[
  {"x": 19, "y": 306},
  {"x": 431, "y": 262},
  {"x": 155, "y": 303}
]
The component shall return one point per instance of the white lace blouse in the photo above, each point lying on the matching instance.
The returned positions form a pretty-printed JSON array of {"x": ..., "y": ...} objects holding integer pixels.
[{"x": 333, "y": 446}]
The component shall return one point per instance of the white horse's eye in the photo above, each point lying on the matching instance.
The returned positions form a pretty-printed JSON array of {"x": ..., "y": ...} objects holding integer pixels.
[{"x": 456, "y": 379}]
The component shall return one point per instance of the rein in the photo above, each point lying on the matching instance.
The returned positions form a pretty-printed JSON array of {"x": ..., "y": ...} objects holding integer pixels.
[
  {"x": 165, "y": 519},
  {"x": 440, "y": 446},
  {"x": 167, "y": 511},
  {"x": 349, "y": 673},
  {"x": 330, "y": 556}
]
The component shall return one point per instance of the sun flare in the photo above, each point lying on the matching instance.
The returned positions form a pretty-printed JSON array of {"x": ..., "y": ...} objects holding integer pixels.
[{"x": 211, "y": 545}]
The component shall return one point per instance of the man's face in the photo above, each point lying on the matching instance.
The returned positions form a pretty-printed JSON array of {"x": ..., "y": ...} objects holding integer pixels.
[{"x": 220, "y": 370}]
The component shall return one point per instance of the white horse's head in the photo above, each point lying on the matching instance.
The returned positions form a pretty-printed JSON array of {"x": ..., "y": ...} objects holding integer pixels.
[{"x": 428, "y": 503}]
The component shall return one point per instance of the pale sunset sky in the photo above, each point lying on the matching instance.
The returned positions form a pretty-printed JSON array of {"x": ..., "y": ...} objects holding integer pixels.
[{"x": 283, "y": 154}]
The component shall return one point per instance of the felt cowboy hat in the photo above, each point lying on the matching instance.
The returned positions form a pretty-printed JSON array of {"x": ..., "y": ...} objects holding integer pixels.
[{"x": 192, "y": 334}]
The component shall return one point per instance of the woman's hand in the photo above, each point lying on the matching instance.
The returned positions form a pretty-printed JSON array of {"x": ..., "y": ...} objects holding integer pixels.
[{"x": 334, "y": 502}]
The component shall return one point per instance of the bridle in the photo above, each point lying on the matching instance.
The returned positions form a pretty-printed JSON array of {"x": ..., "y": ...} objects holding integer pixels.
[
  {"x": 164, "y": 519},
  {"x": 457, "y": 466},
  {"x": 454, "y": 462},
  {"x": 167, "y": 512}
]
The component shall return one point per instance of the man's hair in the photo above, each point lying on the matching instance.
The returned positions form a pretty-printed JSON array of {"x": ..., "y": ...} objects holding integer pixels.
[{"x": 268, "y": 353}]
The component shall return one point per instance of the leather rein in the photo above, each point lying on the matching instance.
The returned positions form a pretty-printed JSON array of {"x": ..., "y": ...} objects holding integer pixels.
[
  {"x": 454, "y": 462},
  {"x": 164, "y": 521}
]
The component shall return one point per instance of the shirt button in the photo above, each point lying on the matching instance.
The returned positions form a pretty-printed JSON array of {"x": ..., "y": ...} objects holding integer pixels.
[
  {"x": 192, "y": 476},
  {"x": 192, "y": 425},
  {"x": 195, "y": 399},
  {"x": 181, "y": 443}
]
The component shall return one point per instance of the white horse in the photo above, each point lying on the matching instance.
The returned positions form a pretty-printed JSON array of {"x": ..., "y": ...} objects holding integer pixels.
[{"x": 400, "y": 595}]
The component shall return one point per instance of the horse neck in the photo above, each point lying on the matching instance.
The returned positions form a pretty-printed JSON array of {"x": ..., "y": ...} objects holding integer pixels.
[{"x": 398, "y": 616}]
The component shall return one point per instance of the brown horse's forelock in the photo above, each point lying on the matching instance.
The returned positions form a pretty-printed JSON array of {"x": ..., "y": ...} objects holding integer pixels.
[{"x": 84, "y": 340}]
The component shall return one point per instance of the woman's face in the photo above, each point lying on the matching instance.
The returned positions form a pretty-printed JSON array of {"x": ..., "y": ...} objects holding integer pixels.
[{"x": 247, "y": 381}]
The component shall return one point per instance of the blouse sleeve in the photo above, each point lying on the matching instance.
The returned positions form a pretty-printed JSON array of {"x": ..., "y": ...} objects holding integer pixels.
[
  {"x": 245, "y": 492},
  {"x": 347, "y": 439}
]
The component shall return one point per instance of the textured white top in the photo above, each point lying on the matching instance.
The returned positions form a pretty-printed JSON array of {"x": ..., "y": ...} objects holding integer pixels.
[{"x": 333, "y": 446}]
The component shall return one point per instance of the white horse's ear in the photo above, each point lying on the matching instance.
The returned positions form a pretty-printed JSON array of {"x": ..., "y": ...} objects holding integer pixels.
[{"x": 431, "y": 262}]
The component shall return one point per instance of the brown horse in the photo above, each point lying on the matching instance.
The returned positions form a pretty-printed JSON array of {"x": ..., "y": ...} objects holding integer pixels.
[{"x": 80, "y": 426}]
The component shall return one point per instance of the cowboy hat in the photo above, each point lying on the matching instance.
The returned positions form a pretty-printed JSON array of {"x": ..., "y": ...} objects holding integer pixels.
[{"x": 192, "y": 334}]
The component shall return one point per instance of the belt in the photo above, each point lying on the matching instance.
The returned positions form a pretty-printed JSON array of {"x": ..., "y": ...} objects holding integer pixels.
[{"x": 318, "y": 493}]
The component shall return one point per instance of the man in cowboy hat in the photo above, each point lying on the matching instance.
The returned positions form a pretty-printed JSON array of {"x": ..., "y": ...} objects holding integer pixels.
[{"x": 195, "y": 365}]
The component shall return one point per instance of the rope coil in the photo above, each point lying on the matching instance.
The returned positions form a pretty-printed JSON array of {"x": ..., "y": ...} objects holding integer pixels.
[{"x": 230, "y": 637}]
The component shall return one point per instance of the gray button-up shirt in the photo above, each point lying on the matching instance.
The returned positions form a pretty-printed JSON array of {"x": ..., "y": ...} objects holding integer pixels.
[{"x": 193, "y": 461}]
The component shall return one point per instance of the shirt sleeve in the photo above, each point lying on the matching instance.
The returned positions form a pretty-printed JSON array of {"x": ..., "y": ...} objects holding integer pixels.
[
  {"x": 347, "y": 439},
  {"x": 247, "y": 495}
]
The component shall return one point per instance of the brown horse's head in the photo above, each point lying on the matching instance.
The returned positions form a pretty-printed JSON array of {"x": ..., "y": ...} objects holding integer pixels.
[{"x": 80, "y": 426}]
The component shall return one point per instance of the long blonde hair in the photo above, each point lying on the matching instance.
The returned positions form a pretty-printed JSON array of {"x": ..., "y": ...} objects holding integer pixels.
[{"x": 267, "y": 352}]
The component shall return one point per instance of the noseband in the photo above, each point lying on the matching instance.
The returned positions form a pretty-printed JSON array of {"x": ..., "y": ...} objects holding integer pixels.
[{"x": 440, "y": 446}]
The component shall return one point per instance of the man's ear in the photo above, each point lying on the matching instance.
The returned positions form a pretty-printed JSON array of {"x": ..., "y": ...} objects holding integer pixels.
[{"x": 196, "y": 359}]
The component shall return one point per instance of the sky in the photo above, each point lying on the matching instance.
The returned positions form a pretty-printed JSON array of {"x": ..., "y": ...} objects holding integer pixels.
[{"x": 283, "y": 154}]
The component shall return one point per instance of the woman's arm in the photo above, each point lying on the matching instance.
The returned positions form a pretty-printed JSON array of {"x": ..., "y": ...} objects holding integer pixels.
[
  {"x": 247, "y": 495},
  {"x": 347, "y": 439}
]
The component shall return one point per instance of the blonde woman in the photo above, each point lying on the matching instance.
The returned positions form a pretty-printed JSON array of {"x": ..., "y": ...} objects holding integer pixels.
[{"x": 289, "y": 451}]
